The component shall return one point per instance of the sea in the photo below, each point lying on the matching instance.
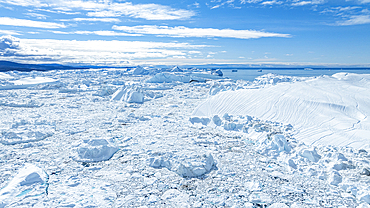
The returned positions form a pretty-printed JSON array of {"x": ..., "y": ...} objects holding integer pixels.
[{"x": 251, "y": 74}]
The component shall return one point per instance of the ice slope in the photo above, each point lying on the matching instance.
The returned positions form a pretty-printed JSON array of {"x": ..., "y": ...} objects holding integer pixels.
[{"x": 325, "y": 110}]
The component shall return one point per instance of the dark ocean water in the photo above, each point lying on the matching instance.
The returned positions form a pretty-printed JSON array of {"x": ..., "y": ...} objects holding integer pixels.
[{"x": 251, "y": 74}]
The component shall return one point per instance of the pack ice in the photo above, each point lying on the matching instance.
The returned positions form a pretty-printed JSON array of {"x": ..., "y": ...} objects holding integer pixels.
[{"x": 176, "y": 137}]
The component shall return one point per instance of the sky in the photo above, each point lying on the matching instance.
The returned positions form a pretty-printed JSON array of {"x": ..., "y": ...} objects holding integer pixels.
[{"x": 186, "y": 32}]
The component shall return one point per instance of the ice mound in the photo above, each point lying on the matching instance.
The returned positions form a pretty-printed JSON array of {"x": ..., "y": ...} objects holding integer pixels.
[
  {"x": 194, "y": 165},
  {"x": 159, "y": 163},
  {"x": 176, "y": 69},
  {"x": 310, "y": 154},
  {"x": 106, "y": 90},
  {"x": 274, "y": 145},
  {"x": 176, "y": 198},
  {"x": 217, "y": 72},
  {"x": 216, "y": 88},
  {"x": 169, "y": 77},
  {"x": 94, "y": 150},
  {"x": 128, "y": 94},
  {"x": 189, "y": 164},
  {"x": 274, "y": 79},
  {"x": 201, "y": 120},
  {"x": 139, "y": 71},
  {"x": 31, "y": 181},
  {"x": 12, "y": 137}
]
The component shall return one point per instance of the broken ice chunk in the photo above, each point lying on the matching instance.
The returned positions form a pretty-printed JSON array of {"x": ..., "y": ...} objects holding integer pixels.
[
  {"x": 205, "y": 121},
  {"x": 310, "y": 154},
  {"x": 194, "y": 165},
  {"x": 31, "y": 181},
  {"x": 93, "y": 150}
]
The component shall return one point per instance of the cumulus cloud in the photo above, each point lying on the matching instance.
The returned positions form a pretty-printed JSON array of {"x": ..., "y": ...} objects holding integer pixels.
[
  {"x": 181, "y": 31},
  {"x": 271, "y": 2},
  {"x": 89, "y": 52},
  {"x": 29, "y": 23},
  {"x": 108, "y": 8},
  {"x": 9, "y": 45}
]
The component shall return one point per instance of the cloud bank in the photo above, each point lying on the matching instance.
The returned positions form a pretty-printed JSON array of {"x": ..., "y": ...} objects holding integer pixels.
[
  {"x": 88, "y": 52},
  {"x": 107, "y": 8},
  {"x": 29, "y": 23},
  {"x": 181, "y": 31}
]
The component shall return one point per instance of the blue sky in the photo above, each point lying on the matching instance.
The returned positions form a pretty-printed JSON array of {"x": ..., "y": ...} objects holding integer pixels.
[{"x": 107, "y": 32}]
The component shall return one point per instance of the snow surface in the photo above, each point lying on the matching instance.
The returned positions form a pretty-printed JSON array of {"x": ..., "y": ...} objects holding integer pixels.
[
  {"x": 114, "y": 138},
  {"x": 326, "y": 110}
]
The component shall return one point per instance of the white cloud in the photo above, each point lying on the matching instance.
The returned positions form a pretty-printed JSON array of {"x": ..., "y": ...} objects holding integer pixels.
[
  {"x": 271, "y": 2},
  {"x": 38, "y": 16},
  {"x": 355, "y": 20},
  {"x": 91, "y": 20},
  {"x": 9, "y": 45},
  {"x": 181, "y": 31},
  {"x": 302, "y": 3},
  {"x": 107, "y": 8},
  {"x": 145, "y": 11},
  {"x": 9, "y": 32},
  {"x": 89, "y": 52},
  {"x": 313, "y": 2},
  {"x": 365, "y": 1},
  {"x": 249, "y": 1},
  {"x": 29, "y": 23},
  {"x": 100, "y": 32}
]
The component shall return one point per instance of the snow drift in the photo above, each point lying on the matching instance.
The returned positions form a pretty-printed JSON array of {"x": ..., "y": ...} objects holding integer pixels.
[{"x": 326, "y": 110}]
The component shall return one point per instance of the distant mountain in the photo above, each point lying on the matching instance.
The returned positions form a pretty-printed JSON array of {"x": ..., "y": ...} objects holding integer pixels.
[{"x": 12, "y": 66}]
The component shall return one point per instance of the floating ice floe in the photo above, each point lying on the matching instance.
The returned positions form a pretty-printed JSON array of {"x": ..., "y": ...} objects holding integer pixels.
[
  {"x": 94, "y": 150},
  {"x": 217, "y": 72},
  {"x": 31, "y": 181}
]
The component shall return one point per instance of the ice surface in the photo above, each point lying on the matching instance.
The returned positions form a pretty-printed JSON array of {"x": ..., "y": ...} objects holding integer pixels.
[{"x": 105, "y": 149}]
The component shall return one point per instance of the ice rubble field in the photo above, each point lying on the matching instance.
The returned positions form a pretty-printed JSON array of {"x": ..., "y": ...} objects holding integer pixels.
[{"x": 183, "y": 138}]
